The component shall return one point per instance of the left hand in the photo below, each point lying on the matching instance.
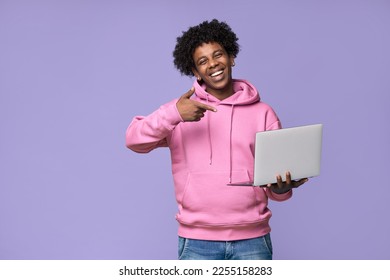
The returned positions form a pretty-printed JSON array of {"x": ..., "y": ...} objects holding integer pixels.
[{"x": 282, "y": 187}]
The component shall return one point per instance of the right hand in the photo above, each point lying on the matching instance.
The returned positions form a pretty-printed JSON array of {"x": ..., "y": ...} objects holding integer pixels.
[{"x": 191, "y": 110}]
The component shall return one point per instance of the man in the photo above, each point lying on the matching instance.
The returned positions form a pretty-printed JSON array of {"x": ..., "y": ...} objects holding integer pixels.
[{"x": 210, "y": 133}]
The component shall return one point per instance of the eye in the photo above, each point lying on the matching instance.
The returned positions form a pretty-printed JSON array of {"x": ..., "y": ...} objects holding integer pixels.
[
  {"x": 202, "y": 61},
  {"x": 218, "y": 54}
]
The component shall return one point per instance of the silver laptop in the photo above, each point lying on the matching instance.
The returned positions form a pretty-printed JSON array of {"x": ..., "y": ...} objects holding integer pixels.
[{"x": 295, "y": 149}]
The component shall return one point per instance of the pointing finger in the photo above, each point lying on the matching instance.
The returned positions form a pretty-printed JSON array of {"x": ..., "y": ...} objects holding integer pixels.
[{"x": 205, "y": 106}]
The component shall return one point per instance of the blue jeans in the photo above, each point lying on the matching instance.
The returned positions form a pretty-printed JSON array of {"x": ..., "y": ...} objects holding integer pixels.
[{"x": 249, "y": 249}]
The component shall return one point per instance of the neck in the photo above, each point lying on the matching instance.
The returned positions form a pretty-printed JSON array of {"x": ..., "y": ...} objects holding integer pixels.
[{"x": 223, "y": 93}]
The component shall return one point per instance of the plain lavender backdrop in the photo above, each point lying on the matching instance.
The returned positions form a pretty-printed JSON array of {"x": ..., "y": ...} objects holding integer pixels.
[{"x": 74, "y": 73}]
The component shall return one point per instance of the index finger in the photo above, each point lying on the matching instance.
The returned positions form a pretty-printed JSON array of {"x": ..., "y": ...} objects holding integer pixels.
[{"x": 204, "y": 106}]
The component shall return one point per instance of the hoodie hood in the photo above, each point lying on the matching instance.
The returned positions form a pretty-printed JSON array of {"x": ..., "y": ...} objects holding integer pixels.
[{"x": 244, "y": 93}]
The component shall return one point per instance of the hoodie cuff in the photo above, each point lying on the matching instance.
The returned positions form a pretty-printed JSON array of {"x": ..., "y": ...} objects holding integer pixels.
[
  {"x": 279, "y": 197},
  {"x": 178, "y": 117},
  {"x": 172, "y": 115}
]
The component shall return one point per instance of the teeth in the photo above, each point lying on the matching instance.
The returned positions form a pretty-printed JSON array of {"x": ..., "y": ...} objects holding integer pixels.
[{"x": 216, "y": 73}]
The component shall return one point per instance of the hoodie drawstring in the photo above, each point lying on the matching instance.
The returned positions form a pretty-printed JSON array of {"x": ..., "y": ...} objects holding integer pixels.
[
  {"x": 209, "y": 133},
  {"x": 231, "y": 144},
  {"x": 230, "y": 141}
]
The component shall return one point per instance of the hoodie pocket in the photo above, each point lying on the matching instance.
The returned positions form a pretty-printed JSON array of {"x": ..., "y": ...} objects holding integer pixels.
[{"x": 208, "y": 200}]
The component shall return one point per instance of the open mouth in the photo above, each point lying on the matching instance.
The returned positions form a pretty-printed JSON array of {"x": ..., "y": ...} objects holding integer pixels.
[{"x": 215, "y": 74}]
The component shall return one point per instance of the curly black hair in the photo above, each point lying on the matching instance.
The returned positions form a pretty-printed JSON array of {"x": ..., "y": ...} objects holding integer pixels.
[{"x": 206, "y": 32}]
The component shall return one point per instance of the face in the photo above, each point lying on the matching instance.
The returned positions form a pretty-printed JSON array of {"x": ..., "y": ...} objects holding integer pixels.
[{"x": 214, "y": 66}]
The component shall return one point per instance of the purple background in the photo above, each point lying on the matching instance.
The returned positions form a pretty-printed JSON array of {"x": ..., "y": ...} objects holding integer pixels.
[{"x": 74, "y": 73}]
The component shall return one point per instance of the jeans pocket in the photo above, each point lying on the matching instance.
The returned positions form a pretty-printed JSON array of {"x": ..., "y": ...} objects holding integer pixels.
[
  {"x": 267, "y": 242},
  {"x": 181, "y": 245}
]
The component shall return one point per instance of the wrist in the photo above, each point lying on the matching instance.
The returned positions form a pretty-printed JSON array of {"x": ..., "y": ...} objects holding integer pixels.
[{"x": 276, "y": 191}]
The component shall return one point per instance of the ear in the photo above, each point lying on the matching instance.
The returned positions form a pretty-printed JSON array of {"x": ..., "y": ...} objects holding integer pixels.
[
  {"x": 196, "y": 74},
  {"x": 232, "y": 63}
]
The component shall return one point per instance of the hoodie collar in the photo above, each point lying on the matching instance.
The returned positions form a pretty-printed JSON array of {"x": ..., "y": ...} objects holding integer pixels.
[{"x": 244, "y": 93}]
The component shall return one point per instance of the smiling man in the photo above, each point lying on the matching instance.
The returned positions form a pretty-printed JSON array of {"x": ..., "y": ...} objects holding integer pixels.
[
  {"x": 210, "y": 131},
  {"x": 213, "y": 66}
]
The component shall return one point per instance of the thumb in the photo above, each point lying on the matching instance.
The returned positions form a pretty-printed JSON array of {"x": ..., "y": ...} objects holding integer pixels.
[{"x": 189, "y": 93}]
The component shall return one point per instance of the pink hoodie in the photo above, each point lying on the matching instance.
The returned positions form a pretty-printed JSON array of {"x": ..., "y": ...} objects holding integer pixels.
[{"x": 206, "y": 156}]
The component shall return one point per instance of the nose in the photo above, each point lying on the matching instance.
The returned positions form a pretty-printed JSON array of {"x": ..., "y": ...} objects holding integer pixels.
[{"x": 213, "y": 63}]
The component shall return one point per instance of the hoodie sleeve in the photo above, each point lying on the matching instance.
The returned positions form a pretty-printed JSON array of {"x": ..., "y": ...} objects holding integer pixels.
[
  {"x": 272, "y": 120},
  {"x": 147, "y": 133}
]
